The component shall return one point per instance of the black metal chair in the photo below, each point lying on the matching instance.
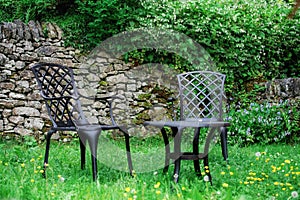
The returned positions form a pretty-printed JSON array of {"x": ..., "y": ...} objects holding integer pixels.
[
  {"x": 57, "y": 87},
  {"x": 201, "y": 95}
]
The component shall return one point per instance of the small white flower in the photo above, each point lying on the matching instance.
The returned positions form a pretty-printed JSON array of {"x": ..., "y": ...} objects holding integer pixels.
[
  {"x": 206, "y": 178},
  {"x": 155, "y": 173},
  {"x": 175, "y": 175},
  {"x": 295, "y": 194},
  {"x": 62, "y": 179},
  {"x": 257, "y": 154}
]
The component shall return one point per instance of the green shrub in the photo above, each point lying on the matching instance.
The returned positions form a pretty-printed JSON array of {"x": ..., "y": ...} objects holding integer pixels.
[
  {"x": 248, "y": 40},
  {"x": 103, "y": 19},
  {"x": 264, "y": 124},
  {"x": 26, "y": 10}
]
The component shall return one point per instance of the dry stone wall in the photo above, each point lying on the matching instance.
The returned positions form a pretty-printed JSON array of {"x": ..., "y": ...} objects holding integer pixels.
[{"x": 21, "y": 110}]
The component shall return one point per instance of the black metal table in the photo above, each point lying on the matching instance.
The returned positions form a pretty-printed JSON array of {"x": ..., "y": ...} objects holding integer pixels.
[{"x": 177, "y": 128}]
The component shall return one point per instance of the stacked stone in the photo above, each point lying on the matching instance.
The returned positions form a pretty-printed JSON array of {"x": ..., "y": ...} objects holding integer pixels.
[{"x": 21, "y": 45}]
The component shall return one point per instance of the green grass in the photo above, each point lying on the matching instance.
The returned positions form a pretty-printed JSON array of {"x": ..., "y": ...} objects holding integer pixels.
[{"x": 275, "y": 174}]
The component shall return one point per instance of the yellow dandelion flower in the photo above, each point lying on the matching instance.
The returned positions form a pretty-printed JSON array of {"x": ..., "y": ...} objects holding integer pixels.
[
  {"x": 1, "y": 162},
  {"x": 263, "y": 153},
  {"x": 222, "y": 173},
  {"x": 278, "y": 168},
  {"x": 287, "y": 161},
  {"x": 54, "y": 185},
  {"x": 241, "y": 182},
  {"x": 246, "y": 182},
  {"x": 41, "y": 171},
  {"x": 52, "y": 194},
  {"x": 207, "y": 171},
  {"x": 228, "y": 167},
  {"x": 288, "y": 184},
  {"x": 202, "y": 173},
  {"x": 225, "y": 185},
  {"x": 276, "y": 183},
  {"x": 46, "y": 165},
  {"x": 36, "y": 171},
  {"x": 252, "y": 173},
  {"x": 39, "y": 167},
  {"x": 158, "y": 192},
  {"x": 267, "y": 160},
  {"x": 127, "y": 189},
  {"x": 22, "y": 165},
  {"x": 32, "y": 180},
  {"x": 257, "y": 158},
  {"x": 281, "y": 184},
  {"x": 157, "y": 185},
  {"x": 286, "y": 174},
  {"x": 183, "y": 188},
  {"x": 178, "y": 195},
  {"x": 231, "y": 173},
  {"x": 282, "y": 164},
  {"x": 283, "y": 189},
  {"x": 130, "y": 198},
  {"x": 251, "y": 182},
  {"x": 291, "y": 188},
  {"x": 205, "y": 167},
  {"x": 32, "y": 160}
]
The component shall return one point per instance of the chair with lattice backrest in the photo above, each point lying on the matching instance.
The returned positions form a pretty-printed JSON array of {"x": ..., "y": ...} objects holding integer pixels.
[
  {"x": 201, "y": 95},
  {"x": 57, "y": 88}
]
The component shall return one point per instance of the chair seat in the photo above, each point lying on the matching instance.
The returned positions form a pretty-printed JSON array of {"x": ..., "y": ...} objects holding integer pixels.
[
  {"x": 97, "y": 127},
  {"x": 184, "y": 123}
]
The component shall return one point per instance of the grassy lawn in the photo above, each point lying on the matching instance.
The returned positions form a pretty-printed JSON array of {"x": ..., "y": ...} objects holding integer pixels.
[{"x": 255, "y": 172}]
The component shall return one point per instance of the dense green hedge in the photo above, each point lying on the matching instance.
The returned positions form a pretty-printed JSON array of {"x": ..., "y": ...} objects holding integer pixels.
[{"x": 248, "y": 40}]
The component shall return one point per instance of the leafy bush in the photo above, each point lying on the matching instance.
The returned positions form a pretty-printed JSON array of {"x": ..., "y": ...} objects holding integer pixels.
[
  {"x": 264, "y": 124},
  {"x": 248, "y": 40},
  {"x": 103, "y": 19},
  {"x": 25, "y": 9}
]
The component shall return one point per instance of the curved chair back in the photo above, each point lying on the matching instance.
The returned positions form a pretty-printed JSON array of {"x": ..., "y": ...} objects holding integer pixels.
[
  {"x": 201, "y": 94},
  {"x": 57, "y": 87}
]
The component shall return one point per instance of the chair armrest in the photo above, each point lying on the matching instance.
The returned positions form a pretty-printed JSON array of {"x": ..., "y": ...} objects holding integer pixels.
[{"x": 108, "y": 99}]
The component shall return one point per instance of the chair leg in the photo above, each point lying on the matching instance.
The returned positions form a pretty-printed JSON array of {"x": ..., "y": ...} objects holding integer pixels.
[
  {"x": 92, "y": 137},
  {"x": 177, "y": 152},
  {"x": 82, "y": 151},
  {"x": 48, "y": 140},
  {"x": 129, "y": 160},
  {"x": 206, "y": 168},
  {"x": 196, "y": 151},
  {"x": 167, "y": 150},
  {"x": 224, "y": 142}
]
